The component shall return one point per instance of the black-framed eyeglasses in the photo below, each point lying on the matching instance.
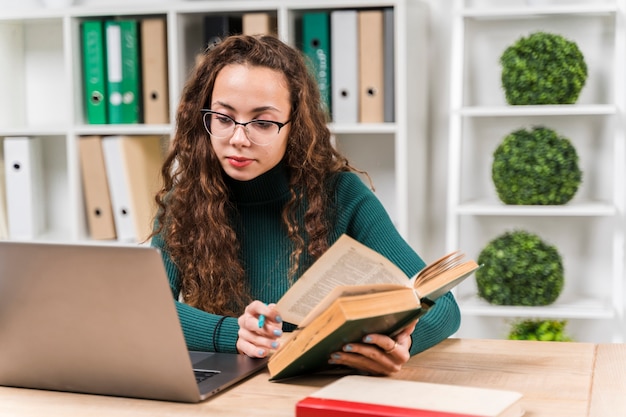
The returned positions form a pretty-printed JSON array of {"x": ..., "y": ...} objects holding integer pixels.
[{"x": 222, "y": 126}]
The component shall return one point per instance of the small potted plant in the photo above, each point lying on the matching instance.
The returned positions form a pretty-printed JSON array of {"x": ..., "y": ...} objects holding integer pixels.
[
  {"x": 519, "y": 268},
  {"x": 541, "y": 330},
  {"x": 543, "y": 68},
  {"x": 535, "y": 167}
]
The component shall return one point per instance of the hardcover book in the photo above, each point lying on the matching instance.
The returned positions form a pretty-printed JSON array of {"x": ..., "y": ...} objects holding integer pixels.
[
  {"x": 368, "y": 396},
  {"x": 351, "y": 291}
]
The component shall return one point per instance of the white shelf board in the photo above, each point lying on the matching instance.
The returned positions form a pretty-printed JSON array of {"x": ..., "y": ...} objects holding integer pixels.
[
  {"x": 572, "y": 308},
  {"x": 124, "y": 129},
  {"x": 539, "y": 110},
  {"x": 535, "y": 11},
  {"x": 493, "y": 208},
  {"x": 34, "y": 131},
  {"x": 363, "y": 128}
]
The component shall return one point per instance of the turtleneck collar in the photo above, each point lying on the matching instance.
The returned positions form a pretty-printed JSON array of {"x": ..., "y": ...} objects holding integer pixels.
[{"x": 270, "y": 186}]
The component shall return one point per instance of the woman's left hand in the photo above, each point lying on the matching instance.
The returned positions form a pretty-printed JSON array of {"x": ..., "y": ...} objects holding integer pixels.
[{"x": 377, "y": 354}]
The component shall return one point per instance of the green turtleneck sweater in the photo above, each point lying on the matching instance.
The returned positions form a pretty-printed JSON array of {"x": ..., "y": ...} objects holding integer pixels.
[{"x": 265, "y": 250}]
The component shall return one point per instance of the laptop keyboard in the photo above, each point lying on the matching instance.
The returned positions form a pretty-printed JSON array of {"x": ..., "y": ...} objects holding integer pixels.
[{"x": 202, "y": 375}]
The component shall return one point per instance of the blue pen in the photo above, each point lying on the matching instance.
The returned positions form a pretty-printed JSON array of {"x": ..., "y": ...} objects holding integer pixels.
[{"x": 261, "y": 321}]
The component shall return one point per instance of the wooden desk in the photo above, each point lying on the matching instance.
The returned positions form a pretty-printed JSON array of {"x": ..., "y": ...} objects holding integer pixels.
[{"x": 557, "y": 379}]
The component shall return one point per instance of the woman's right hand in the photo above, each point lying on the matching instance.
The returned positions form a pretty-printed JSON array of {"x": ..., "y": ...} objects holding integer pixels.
[{"x": 260, "y": 327}]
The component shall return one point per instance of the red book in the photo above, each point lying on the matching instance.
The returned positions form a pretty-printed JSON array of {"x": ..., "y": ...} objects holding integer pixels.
[{"x": 364, "y": 396}]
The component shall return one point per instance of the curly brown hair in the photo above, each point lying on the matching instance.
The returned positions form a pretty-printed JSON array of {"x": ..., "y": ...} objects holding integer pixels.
[{"x": 194, "y": 207}]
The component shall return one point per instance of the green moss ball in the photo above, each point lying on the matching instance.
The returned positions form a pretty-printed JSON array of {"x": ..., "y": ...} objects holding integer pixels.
[
  {"x": 519, "y": 269},
  {"x": 535, "y": 167},
  {"x": 543, "y": 68}
]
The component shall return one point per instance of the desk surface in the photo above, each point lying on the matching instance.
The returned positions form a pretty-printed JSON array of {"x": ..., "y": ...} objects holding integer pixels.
[{"x": 557, "y": 379}]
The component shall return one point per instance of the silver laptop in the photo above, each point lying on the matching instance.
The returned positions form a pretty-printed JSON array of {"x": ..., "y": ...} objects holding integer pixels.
[{"x": 101, "y": 319}]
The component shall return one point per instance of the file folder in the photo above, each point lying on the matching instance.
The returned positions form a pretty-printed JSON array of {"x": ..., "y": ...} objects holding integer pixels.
[
  {"x": 154, "y": 71},
  {"x": 133, "y": 165},
  {"x": 345, "y": 66},
  {"x": 389, "y": 48},
  {"x": 259, "y": 23},
  {"x": 24, "y": 186},
  {"x": 96, "y": 189},
  {"x": 371, "y": 88},
  {"x": 118, "y": 187},
  {"x": 94, "y": 72},
  {"x": 122, "y": 46},
  {"x": 143, "y": 157},
  {"x": 316, "y": 47}
]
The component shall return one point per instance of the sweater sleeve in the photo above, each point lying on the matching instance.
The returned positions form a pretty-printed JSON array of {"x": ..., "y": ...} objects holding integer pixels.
[
  {"x": 363, "y": 217},
  {"x": 203, "y": 331}
]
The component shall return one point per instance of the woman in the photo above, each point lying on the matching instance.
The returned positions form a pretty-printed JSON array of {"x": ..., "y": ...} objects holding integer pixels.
[{"x": 253, "y": 193}]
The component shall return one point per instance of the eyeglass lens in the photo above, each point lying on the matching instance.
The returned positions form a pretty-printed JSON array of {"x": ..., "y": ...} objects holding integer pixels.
[{"x": 257, "y": 131}]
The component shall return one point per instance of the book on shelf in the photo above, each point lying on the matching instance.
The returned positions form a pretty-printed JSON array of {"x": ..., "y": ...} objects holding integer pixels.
[
  {"x": 370, "y": 396},
  {"x": 96, "y": 195},
  {"x": 123, "y": 71},
  {"x": 371, "y": 66},
  {"x": 259, "y": 23},
  {"x": 23, "y": 159},
  {"x": 94, "y": 71},
  {"x": 316, "y": 47},
  {"x": 154, "y": 74},
  {"x": 119, "y": 193},
  {"x": 133, "y": 166},
  {"x": 345, "y": 58},
  {"x": 352, "y": 291},
  {"x": 389, "y": 87}
]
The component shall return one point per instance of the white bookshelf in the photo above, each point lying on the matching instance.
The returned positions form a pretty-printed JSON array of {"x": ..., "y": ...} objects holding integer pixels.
[
  {"x": 589, "y": 230},
  {"x": 46, "y": 98}
]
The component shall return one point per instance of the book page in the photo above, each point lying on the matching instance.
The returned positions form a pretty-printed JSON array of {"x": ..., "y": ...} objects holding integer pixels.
[{"x": 346, "y": 263}]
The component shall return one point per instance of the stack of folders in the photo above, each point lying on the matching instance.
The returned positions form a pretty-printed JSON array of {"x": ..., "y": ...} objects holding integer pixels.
[
  {"x": 351, "y": 53},
  {"x": 125, "y": 77},
  {"x": 120, "y": 177},
  {"x": 125, "y": 73}
]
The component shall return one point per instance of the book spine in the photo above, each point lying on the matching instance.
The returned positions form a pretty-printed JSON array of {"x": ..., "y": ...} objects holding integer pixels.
[
  {"x": 389, "y": 65},
  {"x": 122, "y": 46},
  {"x": 316, "y": 46},
  {"x": 154, "y": 71},
  {"x": 322, "y": 407},
  {"x": 94, "y": 72},
  {"x": 344, "y": 56},
  {"x": 131, "y": 95},
  {"x": 96, "y": 188},
  {"x": 371, "y": 65},
  {"x": 113, "y": 36},
  {"x": 24, "y": 186}
]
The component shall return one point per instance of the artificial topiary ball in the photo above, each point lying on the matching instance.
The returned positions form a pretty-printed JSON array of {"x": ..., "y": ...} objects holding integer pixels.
[
  {"x": 535, "y": 167},
  {"x": 519, "y": 269},
  {"x": 543, "y": 68}
]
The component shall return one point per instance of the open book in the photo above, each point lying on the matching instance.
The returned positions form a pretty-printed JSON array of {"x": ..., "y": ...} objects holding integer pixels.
[{"x": 351, "y": 291}]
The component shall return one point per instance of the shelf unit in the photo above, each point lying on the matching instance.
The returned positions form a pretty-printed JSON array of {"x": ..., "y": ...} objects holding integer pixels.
[
  {"x": 588, "y": 231},
  {"x": 45, "y": 98}
]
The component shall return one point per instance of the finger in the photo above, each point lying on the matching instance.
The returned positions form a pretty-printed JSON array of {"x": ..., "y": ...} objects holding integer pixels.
[
  {"x": 261, "y": 342},
  {"x": 374, "y": 359},
  {"x": 249, "y": 349},
  {"x": 365, "y": 362}
]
